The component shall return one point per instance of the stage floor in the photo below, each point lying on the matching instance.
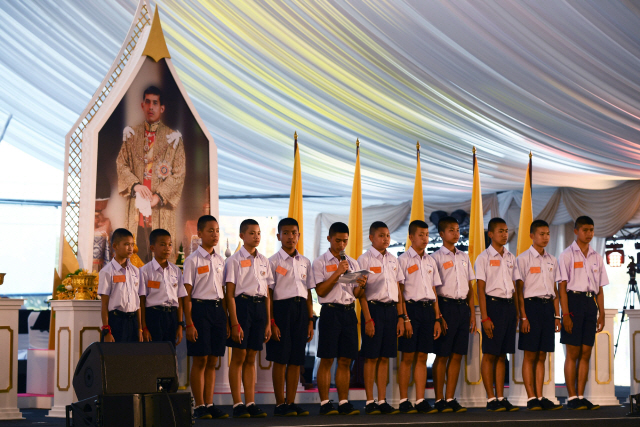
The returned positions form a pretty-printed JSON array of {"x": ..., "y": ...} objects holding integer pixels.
[{"x": 562, "y": 417}]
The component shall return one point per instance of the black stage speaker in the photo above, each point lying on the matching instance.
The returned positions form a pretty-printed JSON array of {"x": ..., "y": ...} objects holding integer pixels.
[{"x": 126, "y": 368}]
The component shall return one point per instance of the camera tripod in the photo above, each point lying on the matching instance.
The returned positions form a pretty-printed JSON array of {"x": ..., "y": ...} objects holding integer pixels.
[{"x": 629, "y": 299}]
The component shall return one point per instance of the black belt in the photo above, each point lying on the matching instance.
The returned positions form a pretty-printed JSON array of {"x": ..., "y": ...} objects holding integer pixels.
[
  {"x": 340, "y": 306},
  {"x": 122, "y": 313},
  {"x": 454, "y": 301},
  {"x": 586, "y": 294},
  {"x": 169, "y": 309},
  {"x": 295, "y": 299},
  {"x": 427, "y": 303},
  {"x": 213, "y": 302},
  {"x": 502, "y": 300},
  {"x": 256, "y": 299},
  {"x": 540, "y": 299},
  {"x": 383, "y": 304}
]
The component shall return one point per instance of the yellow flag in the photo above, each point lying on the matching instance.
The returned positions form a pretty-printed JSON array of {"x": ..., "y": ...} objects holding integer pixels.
[
  {"x": 476, "y": 223},
  {"x": 417, "y": 204},
  {"x": 354, "y": 245},
  {"x": 526, "y": 212},
  {"x": 295, "y": 198}
]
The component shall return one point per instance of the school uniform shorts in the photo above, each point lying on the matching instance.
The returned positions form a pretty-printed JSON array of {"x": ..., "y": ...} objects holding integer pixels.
[
  {"x": 422, "y": 321},
  {"x": 584, "y": 315},
  {"x": 252, "y": 317},
  {"x": 541, "y": 316},
  {"x": 502, "y": 313},
  {"x": 337, "y": 331},
  {"x": 384, "y": 342},
  {"x": 162, "y": 323},
  {"x": 124, "y": 326},
  {"x": 210, "y": 320},
  {"x": 457, "y": 315},
  {"x": 292, "y": 318}
]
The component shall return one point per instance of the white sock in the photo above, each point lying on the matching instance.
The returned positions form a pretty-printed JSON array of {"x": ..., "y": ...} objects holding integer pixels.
[
  {"x": 580, "y": 397},
  {"x": 251, "y": 403},
  {"x": 491, "y": 400},
  {"x": 449, "y": 400},
  {"x": 531, "y": 398},
  {"x": 209, "y": 405},
  {"x": 324, "y": 402},
  {"x": 380, "y": 402},
  {"x": 342, "y": 402},
  {"x": 370, "y": 401},
  {"x": 573, "y": 397},
  {"x": 277, "y": 406},
  {"x": 403, "y": 400},
  {"x": 501, "y": 399},
  {"x": 419, "y": 401},
  {"x": 199, "y": 406},
  {"x": 237, "y": 404},
  {"x": 439, "y": 400}
]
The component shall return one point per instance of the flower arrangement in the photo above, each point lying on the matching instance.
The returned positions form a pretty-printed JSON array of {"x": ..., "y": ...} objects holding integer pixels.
[{"x": 79, "y": 285}]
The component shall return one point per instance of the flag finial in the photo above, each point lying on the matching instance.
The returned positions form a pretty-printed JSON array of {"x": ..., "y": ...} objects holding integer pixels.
[
  {"x": 295, "y": 135},
  {"x": 530, "y": 155},
  {"x": 418, "y": 145},
  {"x": 474, "y": 150},
  {"x": 357, "y": 142}
]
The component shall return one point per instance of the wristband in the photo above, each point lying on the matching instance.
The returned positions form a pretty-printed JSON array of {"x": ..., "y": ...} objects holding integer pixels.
[
  {"x": 273, "y": 322},
  {"x": 523, "y": 318},
  {"x": 407, "y": 320},
  {"x": 190, "y": 326},
  {"x": 145, "y": 329},
  {"x": 485, "y": 320},
  {"x": 106, "y": 327},
  {"x": 370, "y": 320},
  {"x": 557, "y": 317},
  {"x": 568, "y": 314},
  {"x": 237, "y": 324}
]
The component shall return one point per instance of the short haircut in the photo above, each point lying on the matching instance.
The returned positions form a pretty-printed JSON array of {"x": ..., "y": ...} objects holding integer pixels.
[
  {"x": 446, "y": 221},
  {"x": 583, "y": 220},
  {"x": 119, "y": 234},
  {"x": 152, "y": 90},
  {"x": 377, "y": 225},
  {"x": 418, "y": 223},
  {"x": 494, "y": 223},
  {"x": 204, "y": 219},
  {"x": 287, "y": 221},
  {"x": 246, "y": 223},
  {"x": 338, "y": 227},
  {"x": 537, "y": 224},
  {"x": 158, "y": 232}
]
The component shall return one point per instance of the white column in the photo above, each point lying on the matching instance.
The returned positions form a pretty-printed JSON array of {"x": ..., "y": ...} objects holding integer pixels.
[
  {"x": 9, "y": 359},
  {"x": 222, "y": 373},
  {"x": 634, "y": 350},
  {"x": 77, "y": 326},
  {"x": 517, "y": 393},
  {"x": 264, "y": 383},
  {"x": 393, "y": 388},
  {"x": 470, "y": 391},
  {"x": 600, "y": 387}
]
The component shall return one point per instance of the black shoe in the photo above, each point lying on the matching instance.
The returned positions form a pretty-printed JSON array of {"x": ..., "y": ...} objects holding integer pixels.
[
  {"x": 590, "y": 406},
  {"x": 217, "y": 413},
  {"x": 328, "y": 409},
  {"x": 424, "y": 408},
  {"x": 387, "y": 409},
  {"x": 284, "y": 410},
  {"x": 372, "y": 409},
  {"x": 256, "y": 412},
  {"x": 495, "y": 406},
  {"x": 240, "y": 411},
  {"x": 348, "y": 409},
  {"x": 576, "y": 404},
  {"x": 548, "y": 405},
  {"x": 508, "y": 406},
  {"x": 534, "y": 405},
  {"x": 455, "y": 406},
  {"x": 407, "y": 408},
  {"x": 300, "y": 412},
  {"x": 441, "y": 406},
  {"x": 201, "y": 413}
]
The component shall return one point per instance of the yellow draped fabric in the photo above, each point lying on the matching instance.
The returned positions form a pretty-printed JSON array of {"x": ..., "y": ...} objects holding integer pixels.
[
  {"x": 526, "y": 213},
  {"x": 354, "y": 246},
  {"x": 295, "y": 198},
  {"x": 417, "y": 203},
  {"x": 476, "y": 224}
]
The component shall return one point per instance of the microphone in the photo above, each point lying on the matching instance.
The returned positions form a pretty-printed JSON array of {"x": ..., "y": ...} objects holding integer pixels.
[{"x": 343, "y": 256}]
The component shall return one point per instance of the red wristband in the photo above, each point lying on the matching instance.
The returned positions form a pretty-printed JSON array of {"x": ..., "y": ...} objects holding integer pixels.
[
  {"x": 106, "y": 327},
  {"x": 145, "y": 329},
  {"x": 190, "y": 326},
  {"x": 273, "y": 321},
  {"x": 370, "y": 320},
  {"x": 484, "y": 320}
]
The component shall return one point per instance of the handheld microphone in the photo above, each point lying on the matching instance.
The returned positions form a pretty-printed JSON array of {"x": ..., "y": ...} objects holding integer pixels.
[{"x": 343, "y": 256}]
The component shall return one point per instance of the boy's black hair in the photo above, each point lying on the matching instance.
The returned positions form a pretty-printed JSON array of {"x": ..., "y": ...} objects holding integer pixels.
[
  {"x": 152, "y": 90},
  {"x": 287, "y": 221},
  {"x": 158, "y": 232},
  {"x": 119, "y": 234},
  {"x": 537, "y": 224},
  {"x": 583, "y": 220},
  {"x": 494, "y": 222},
  {"x": 338, "y": 227},
  {"x": 444, "y": 222},
  {"x": 418, "y": 223},
  {"x": 376, "y": 225},
  {"x": 203, "y": 220},
  {"x": 246, "y": 223}
]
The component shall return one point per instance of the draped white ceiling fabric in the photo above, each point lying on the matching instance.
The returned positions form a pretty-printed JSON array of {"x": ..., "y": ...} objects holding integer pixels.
[{"x": 559, "y": 78}]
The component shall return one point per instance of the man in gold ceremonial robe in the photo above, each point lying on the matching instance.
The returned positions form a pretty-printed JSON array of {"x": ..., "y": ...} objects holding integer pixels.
[{"x": 151, "y": 170}]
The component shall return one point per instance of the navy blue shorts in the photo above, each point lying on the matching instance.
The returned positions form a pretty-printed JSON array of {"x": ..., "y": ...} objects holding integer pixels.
[
  {"x": 384, "y": 342},
  {"x": 210, "y": 320},
  {"x": 252, "y": 317},
  {"x": 422, "y": 321},
  {"x": 584, "y": 315},
  {"x": 457, "y": 316},
  {"x": 292, "y": 318},
  {"x": 505, "y": 321},
  {"x": 338, "y": 332},
  {"x": 162, "y": 324},
  {"x": 124, "y": 326},
  {"x": 541, "y": 315}
]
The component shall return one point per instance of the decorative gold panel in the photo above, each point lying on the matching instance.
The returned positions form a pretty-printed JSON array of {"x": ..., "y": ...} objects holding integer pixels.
[
  {"x": 65, "y": 328},
  {"x": 609, "y": 361},
  {"x": 6, "y": 390}
]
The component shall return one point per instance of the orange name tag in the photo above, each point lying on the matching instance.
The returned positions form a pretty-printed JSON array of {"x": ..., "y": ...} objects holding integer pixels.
[
  {"x": 153, "y": 284},
  {"x": 376, "y": 270},
  {"x": 332, "y": 267},
  {"x": 447, "y": 265},
  {"x": 119, "y": 279},
  {"x": 203, "y": 269},
  {"x": 282, "y": 271},
  {"x": 534, "y": 270},
  {"x": 413, "y": 268},
  {"x": 245, "y": 263},
  {"x": 494, "y": 263},
  {"x": 578, "y": 264}
]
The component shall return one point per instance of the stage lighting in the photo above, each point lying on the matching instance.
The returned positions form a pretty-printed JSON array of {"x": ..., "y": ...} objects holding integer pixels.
[{"x": 615, "y": 255}]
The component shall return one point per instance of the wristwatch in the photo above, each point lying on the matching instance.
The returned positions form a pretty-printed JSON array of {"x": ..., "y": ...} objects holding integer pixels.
[
  {"x": 183, "y": 324},
  {"x": 439, "y": 319},
  {"x": 403, "y": 316}
]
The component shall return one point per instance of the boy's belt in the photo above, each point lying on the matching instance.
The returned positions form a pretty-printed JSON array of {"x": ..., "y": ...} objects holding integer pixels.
[
  {"x": 295, "y": 299},
  {"x": 168, "y": 309},
  {"x": 122, "y": 313},
  {"x": 256, "y": 299},
  {"x": 427, "y": 303},
  {"x": 503, "y": 300},
  {"x": 540, "y": 299},
  {"x": 214, "y": 302},
  {"x": 340, "y": 306},
  {"x": 454, "y": 301},
  {"x": 383, "y": 304},
  {"x": 586, "y": 294}
]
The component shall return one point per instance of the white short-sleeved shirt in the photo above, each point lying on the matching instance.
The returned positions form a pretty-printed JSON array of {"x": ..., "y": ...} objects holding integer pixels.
[
  {"x": 455, "y": 272},
  {"x": 121, "y": 284},
  {"x": 539, "y": 273},
  {"x": 498, "y": 272},
  {"x": 292, "y": 275},
  {"x": 420, "y": 276},
  {"x": 204, "y": 271},
  {"x": 382, "y": 284},
  {"x": 582, "y": 274},
  {"x": 161, "y": 286},
  {"x": 250, "y": 274},
  {"x": 323, "y": 267}
]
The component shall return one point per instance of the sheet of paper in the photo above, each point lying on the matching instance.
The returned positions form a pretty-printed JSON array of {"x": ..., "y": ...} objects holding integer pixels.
[
  {"x": 144, "y": 206},
  {"x": 351, "y": 276}
]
